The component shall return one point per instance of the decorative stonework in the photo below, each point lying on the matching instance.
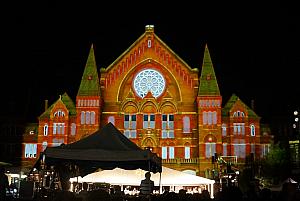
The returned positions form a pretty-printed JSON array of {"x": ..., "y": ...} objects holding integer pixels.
[{"x": 149, "y": 80}]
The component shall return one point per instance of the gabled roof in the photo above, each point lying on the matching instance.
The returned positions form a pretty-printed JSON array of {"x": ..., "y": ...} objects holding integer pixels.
[
  {"x": 233, "y": 99},
  {"x": 150, "y": 31},
  {"x": 90, "y": 85},
  {"x": 208, "y": 85},
  {"x": 67, "y": 101}
]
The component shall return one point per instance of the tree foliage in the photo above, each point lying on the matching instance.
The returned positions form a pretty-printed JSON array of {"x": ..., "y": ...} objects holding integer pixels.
[{"x": 275, "y": 164}]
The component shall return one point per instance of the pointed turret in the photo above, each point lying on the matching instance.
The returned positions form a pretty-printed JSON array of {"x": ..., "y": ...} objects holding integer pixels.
[
  {"x": 208, "y": 83},
  {"x": 90, "y": 85}
]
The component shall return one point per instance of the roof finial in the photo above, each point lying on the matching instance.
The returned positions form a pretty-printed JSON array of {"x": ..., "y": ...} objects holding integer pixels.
[{"x": 149, "y": 28}]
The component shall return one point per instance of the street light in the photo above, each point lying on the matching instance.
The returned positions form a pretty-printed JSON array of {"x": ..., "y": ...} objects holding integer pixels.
[{"x": 296, "y": 124}]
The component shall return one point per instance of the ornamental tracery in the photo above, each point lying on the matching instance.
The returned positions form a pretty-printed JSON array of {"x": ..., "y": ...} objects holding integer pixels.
[{"x": 149, "y": 80}]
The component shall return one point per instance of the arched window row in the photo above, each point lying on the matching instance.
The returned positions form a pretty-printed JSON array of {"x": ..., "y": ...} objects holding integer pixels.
[
  {"x": 58, "y": 128},
  {"x": 239, "y": 128},
  {"x": 87, "y": 117},
  {"x": 238, "y": 114},
  {"x": 209, "y": 118},
  {"x": 59, "y": 113}
]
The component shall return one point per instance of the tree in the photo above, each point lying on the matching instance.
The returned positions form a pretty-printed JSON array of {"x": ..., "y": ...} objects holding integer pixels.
[{"x": 275, "y": 164}]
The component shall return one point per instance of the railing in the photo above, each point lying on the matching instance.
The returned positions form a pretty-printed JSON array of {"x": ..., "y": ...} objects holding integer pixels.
[
  {"x": 229, "y": 159},
  {"x": 181, "y": 161}
]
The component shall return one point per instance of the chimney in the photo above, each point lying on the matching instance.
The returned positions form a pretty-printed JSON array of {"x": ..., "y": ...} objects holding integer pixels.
[
  {"x": 252, "y": 104},
  {"x": 46, "y": 105}
]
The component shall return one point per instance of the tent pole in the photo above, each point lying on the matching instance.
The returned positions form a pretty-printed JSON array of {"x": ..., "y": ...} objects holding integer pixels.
[{"x": 160, "y": 186}]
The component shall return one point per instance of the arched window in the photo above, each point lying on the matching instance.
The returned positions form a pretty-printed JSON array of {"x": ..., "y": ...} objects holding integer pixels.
[
  {"x": 164, "y": 152},
  {"x": 92, "y": 117},
  {"x": 224, "y": 130},
  {"x": 73, "y": 129},
  {"x": 187, "y": 152},
  {"x": 225, "y": 149},
  {"x": 186, "y": 124},
  {"x": 82, "y": 118},
  {"x": 111, "y": 119},
  {"x": 204, "y": 118},
  {"x": 88, "y": 118},
  {"x": 44, "y": 145},
  {"x": 210, "y": 149},
  {"x": 239, "y": 148},
  {"x": 209, "y": 118},
  {"x": 171, "y": 152},
  {"x": 45, "y": 129},
  {"x": 214, "y": 117},
  {"x": 252, "y": 130}
]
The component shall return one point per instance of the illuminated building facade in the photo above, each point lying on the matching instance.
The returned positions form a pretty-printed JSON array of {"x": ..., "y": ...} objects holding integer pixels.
[{"x": 159, "y": 102}]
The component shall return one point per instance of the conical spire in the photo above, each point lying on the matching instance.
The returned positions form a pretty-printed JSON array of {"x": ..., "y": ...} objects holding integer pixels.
[
  {"x": 208, "y": 83},
  {"x": 89, "y": 85}
]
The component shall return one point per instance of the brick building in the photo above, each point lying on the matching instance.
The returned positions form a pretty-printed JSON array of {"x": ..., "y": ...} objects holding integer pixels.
[{"x": 161, "y": 103}]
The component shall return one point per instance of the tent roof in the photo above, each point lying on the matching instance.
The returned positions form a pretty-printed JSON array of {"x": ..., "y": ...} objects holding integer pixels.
[
  {"x": 105, "y": 149},
  {"x": 108, "y": 138},
  {"x": 169, "y": 177}
]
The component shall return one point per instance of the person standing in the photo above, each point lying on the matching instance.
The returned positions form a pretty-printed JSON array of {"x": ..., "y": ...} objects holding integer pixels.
[
  {"x": 3, "y": 184},
  {"x": 147, "y": 185}
]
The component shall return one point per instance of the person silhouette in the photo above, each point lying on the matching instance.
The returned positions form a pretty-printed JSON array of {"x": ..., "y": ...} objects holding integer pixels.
[
  {"x": 147, "y": 185},
  {"x": 4, "y": 185}
]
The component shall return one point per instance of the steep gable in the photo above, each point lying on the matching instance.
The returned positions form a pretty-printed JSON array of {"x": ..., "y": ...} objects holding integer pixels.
[
  {"x": 66, "y": 101},
  {"x": 146, "y": 49},
  {"x": 231, "y": 103}
]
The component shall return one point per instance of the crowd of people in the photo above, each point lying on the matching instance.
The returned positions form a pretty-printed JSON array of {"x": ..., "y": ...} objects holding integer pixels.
[{"x": 146, "y": 189}]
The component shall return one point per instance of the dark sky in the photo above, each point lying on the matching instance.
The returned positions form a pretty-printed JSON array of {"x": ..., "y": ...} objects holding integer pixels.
[{"x": 255, "y": 47}]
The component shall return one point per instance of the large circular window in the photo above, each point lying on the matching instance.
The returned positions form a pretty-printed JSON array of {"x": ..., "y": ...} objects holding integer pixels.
[{"x": 149, "y": 80}]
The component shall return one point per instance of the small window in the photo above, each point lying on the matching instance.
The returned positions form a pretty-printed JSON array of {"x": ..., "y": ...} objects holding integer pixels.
[
  {"x": 111, "y": 119},
  {"x": 82, "y": 118},
  {"x": 224, "y": 130},
  {"x": 252, "y": 130},
  {"x": 187, "y": 152},
  {"x": 44, "y": 145},
  {"x": 45, "y": 129},
  {"x": 73, "y": 129},
  {"x": 186, "y": 124}
]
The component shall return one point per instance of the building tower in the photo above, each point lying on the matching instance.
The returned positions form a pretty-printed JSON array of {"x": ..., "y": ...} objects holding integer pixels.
[
  {"x": 209, "y": 103},
  {"x": 88, "y": 102}
]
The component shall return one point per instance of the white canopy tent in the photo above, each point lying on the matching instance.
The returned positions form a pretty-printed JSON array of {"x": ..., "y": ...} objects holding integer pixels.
[{"x": 169, "y": 177}]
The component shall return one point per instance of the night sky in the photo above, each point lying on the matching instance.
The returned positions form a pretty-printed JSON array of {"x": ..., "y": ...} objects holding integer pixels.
[{"x": 255, "y": 48}]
